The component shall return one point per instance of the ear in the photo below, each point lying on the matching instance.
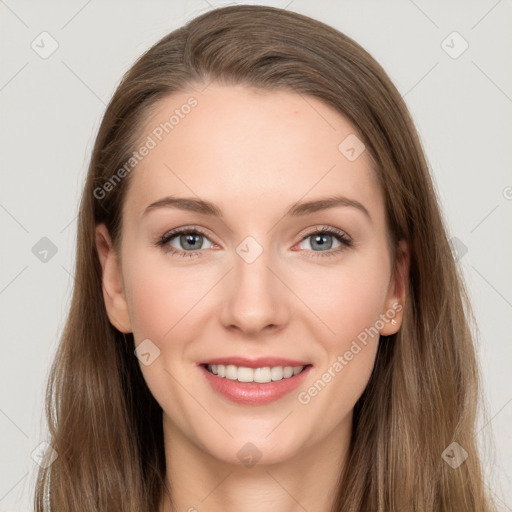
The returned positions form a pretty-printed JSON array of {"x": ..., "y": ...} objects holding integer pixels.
[
  {"x": 397, "y": 291},
  {"x": 112, "y": 281}
]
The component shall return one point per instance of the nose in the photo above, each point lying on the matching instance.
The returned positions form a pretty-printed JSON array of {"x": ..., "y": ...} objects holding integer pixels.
[{"x": 255, "y": 298}]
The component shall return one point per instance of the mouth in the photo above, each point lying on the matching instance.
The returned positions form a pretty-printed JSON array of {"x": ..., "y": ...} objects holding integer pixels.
[
  {"x": 255, "y": 384},
  {"x": 259, "y": 375}
]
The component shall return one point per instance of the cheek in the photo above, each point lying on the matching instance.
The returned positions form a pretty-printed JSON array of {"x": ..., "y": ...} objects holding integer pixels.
[
  {"x": 348, "y": 300},
  {"x": 348, "y": 358},
  {"x": 160, "y": 297},
  {"x": 163, "y": 303}
]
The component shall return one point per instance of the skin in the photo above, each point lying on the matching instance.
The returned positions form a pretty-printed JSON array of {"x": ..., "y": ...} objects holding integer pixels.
[{"x": 254, "y": 153}]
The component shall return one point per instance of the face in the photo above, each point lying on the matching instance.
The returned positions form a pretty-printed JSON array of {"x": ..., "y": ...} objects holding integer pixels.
[{"x": 256, "y": 276}]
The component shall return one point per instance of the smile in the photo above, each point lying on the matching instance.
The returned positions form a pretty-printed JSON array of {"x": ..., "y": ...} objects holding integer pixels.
[
  {"x": 254, "y": 386},
  {"x": 261, "y": 375}
]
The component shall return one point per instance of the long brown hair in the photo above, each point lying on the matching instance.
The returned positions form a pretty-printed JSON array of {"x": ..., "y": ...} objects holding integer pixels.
[{"x": 105, "y": 425}]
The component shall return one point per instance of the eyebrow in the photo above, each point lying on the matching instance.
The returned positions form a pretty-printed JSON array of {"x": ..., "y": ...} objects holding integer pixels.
[{"x": 298, "y": 209}]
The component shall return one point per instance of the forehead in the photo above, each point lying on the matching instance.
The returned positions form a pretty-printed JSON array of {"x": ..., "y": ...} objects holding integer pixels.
[{"x": 239, "y": 147}]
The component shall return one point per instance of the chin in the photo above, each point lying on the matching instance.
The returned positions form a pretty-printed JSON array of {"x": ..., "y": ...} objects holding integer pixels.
[{"x": 255, "y": 448}]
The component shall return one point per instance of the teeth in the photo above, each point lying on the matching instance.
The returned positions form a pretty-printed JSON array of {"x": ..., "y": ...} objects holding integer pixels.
[
  {"x": 276, "y": 372},
  {"x": 260, "y": 375}
]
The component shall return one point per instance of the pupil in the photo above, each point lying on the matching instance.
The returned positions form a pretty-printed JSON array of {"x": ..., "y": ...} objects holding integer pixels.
[
  {"x": 190, "y": 239},
  {"x": 320, "y": 240}
]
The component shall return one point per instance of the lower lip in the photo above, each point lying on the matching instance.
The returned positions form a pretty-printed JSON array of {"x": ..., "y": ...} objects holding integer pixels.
[{"x": 253, "y": 393}]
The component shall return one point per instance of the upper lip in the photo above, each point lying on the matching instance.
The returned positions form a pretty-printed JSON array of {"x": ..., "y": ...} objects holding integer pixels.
[{"x": 259, "y": 362}]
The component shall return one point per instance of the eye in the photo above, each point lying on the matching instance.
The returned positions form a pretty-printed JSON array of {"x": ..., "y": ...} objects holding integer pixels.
[
  {"x": 324, "y": 238},
  {"x": 184, "y": 242},
  {"x": 188, "y": 241}
]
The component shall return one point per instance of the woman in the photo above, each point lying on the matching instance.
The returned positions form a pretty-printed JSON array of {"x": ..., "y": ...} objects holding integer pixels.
[{"x": 266, "y": 313}]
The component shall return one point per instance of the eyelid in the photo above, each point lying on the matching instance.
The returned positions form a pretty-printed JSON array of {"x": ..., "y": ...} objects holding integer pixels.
[
  {"x": 184, "y": 229},
  {"x": 324, "y": 228}
]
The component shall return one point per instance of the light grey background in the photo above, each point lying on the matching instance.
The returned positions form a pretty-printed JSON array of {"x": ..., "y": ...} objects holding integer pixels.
[{"x": 51, "y": 109}]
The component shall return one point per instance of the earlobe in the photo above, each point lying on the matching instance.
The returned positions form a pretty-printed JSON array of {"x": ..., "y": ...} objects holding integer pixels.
[
  {"x": 112, "y": 281},
  {"x": 397, "y": 292}
]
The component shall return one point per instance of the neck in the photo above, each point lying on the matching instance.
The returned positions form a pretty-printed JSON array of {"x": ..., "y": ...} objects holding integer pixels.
[{"x": 199, "y": 482}]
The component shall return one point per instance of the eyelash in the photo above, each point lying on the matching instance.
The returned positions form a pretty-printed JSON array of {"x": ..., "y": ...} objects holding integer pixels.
[{"x": 345, "y": 241}]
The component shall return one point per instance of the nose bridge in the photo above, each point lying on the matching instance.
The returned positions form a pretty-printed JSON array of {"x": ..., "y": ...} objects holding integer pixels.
[{"x": 256, "y": 297}]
